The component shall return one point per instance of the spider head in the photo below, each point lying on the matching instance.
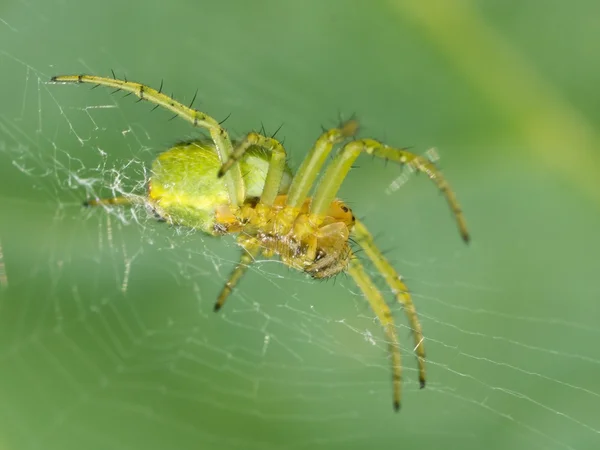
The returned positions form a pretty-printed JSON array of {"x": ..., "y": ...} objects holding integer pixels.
[
  {"x": 333, "y": 250},
  {"x": 339, "y": 212}
]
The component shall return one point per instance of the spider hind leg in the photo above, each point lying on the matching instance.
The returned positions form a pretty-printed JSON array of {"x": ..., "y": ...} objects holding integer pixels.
[
  {"x": 110, "y": 201},
  {"x": 248, "y": 256}
]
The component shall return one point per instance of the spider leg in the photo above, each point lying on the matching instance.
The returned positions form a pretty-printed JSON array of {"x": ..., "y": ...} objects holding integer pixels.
[
  {"x": 336, "y": 172},
  {"x": 310, "y": 167},
  {"x": 218, "y": 134},
  {"x": 121, "y": 201},
  {"x": 394, "y": 281},
  {"x": 276, "y": 165},
  {"x": 381, "y": 309},
  {"x": 248, "y": 254}
]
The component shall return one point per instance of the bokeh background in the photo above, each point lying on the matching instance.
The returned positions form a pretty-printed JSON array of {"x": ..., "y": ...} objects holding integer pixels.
[{"x": 107, "y": 336}]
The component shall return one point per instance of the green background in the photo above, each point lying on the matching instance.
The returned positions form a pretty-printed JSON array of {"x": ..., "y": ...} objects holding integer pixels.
[{"x": 107, "y": 336}]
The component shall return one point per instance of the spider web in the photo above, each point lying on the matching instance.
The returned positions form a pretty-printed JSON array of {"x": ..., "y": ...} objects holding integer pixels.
[{"x": 108, "y": 339}]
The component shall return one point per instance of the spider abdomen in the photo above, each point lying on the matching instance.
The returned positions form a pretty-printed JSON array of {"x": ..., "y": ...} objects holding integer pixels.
[{"x": 184, "y": 188}]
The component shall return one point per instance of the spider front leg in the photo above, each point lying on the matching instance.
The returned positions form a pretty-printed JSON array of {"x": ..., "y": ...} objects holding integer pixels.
[
  {"x": 235, "y": 185},
  {"x": 336, "y": 173},
  {"x": 381, "y": 309},
  {"x": 394, "y": 281},
  {"x": 249, "y": 253},
  {"x": 311, "y": 165},
  {"x": 276, "y": 165}
]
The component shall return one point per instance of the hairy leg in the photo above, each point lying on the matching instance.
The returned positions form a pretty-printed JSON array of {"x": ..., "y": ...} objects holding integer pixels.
[
  {"x": 276, "y": 165},
  {"x": 381, "y": 309},
  {"x": 394, "y": 281},
  {"x": 311, "y": 165},
  {"x": 249, "y": 252},
  {"x": 120, "y": 201},
  {"x": 336, "y": 173},
  {"x": 218, "y": 134}
]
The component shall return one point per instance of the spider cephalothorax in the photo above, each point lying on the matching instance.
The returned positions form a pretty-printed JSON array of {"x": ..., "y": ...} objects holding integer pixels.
[
  {"x": 320, "y": 249},
  {"x": 249, "y": 190}
]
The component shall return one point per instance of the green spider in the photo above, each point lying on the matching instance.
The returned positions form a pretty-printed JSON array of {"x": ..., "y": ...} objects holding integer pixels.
[{"x": 249, "y": 190}]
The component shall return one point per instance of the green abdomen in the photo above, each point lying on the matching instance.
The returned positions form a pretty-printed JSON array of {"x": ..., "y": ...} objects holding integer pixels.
[{"x": 184, "y": 188}]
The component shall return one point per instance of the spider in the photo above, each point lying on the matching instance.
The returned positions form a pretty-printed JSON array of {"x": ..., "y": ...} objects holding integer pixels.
[{"x": 248, "y": 189}]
